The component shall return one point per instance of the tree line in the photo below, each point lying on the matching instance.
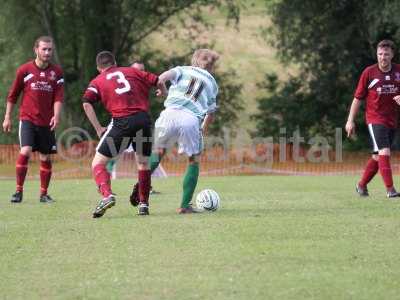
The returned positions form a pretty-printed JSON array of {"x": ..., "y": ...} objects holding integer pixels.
[
  {"x": 83, "y": 28},
  {"x": 328, "y": 42}
]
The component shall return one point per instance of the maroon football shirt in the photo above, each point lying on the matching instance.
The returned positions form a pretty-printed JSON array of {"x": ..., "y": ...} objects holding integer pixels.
[
  {"x": 40, "y": 89},
  {"x": 378, "y": 89},
  {"x": 123, "y": 90}
]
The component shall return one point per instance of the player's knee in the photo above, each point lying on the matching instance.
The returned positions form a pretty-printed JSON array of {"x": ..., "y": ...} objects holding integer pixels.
[
  {"x": 44, "y": 157},
  {"x": 26, "y": 151},
  {"x": 142, "y": 162},
  {"x": 143, "y": 166},
  {"x": 384, "y": 151},
  {"x": 99, "y": 159}
]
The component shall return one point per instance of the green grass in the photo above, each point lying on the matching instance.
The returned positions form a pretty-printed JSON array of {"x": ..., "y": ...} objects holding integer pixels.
[{"x": 273, "y": 238}]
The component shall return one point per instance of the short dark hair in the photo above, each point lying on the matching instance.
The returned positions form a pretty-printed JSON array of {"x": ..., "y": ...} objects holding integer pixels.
[
  {"x": 43, "y": 38},
  {"x": 105, "y": 59},
  {"x": 386, "y": 44},
  {"x": 136, "y": 62}
]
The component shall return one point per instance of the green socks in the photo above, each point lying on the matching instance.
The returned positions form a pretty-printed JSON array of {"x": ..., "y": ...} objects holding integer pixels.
[
  {"x": 189, "y": 183},
  {"x": 154, "y": 161},
  {"x": 110, "y": 165}
]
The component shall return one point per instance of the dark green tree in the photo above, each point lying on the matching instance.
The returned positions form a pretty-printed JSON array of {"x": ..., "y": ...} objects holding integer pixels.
[
  {"x": 83, "y": 28},
  {"x": 329, "y": 43}
]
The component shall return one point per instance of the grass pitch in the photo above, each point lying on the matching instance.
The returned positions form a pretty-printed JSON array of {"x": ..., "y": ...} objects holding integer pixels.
[{"x": 273, "y": 238}]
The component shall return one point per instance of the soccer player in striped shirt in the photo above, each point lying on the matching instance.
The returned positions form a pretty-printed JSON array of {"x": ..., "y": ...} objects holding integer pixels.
[
  {"x": 189, "y": 109},
  {"x": 42, "y": 86}
]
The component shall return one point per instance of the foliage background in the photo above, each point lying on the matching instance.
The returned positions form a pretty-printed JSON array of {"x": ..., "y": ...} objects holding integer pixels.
[
  {"x": 331, "y": 42},
  {"x": 284, "y": 64},
  {"x": 83, "y": 28}
]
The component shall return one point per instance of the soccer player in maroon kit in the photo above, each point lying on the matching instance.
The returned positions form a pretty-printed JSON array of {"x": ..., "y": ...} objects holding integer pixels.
[
  {"x": 124, "y": 92},
  {"x": 42, "y": 87},
  {"x": 379, "y": 86}
]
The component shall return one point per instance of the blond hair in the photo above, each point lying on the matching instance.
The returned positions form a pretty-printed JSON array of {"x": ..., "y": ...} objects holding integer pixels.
[{"x": 204, "y": 58}]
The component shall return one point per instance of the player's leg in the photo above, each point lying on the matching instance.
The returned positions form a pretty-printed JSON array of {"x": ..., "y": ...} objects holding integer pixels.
[
  {"x": 101, "y": 175},
  {"x": 386, "y": 172},
  {"x": 111, "y": 167},
  {"x": 190, "y": 143},
  {"x": 156, "y": 158},
  {"x": 107, "y": 148},
  {"x": 45, "y": 176},
  {"x": 370, "y": 171},
  {"x": 383, "y": 137},
  {"x": 26, "y": 135},
  {"x": 140, "y": 125},
  {"x": 165, "y": 133},
  {"x": 46, "y": 145},
  {"x": 189, "y": 184},
  {"x": 103, "y": 182},
  {"x": 152, "y": 164},
  {"x": 21, "y": 168},
  {"x": 144, "y": 183}
]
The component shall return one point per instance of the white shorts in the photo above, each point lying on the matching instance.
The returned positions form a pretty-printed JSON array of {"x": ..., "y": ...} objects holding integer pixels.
[{"x": 178, "y": 126}]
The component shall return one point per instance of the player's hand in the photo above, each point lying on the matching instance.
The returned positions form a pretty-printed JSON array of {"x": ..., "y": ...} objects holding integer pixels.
[
  {"x": 350, "y": 128},
  {"x": 7, "y": 125},
  {"x": 100, "y": 131},
  {"x": 397, "y": 99},
  {"x": 54, "y": 123},
  {"x": 160, "y": 93}
]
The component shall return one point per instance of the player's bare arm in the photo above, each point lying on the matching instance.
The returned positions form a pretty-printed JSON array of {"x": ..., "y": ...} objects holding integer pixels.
[
  {"x": 350, "y": 125},
  {"x": 91, "y": 114},
  {"x": 55, "y": 120},
  {"x": 209, "y": 118},
  {"x": 162, "y": 90},
  {"x": 162, "y": 80},
  {"x": 7, "y": 117}
]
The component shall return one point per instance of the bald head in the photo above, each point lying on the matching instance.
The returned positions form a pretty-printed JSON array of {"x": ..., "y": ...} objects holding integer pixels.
[{"x": 138, "y": 65}]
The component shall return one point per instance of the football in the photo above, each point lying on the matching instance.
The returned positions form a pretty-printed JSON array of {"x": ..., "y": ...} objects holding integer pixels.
[{"x": 208, "y": 200}]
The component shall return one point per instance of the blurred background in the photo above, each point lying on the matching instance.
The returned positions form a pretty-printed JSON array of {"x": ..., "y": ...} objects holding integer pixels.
[{"x": 287, "y": 68}]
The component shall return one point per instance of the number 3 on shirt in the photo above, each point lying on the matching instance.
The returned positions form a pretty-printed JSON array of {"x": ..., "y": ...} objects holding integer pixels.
[{"x": 121, "y": 80}]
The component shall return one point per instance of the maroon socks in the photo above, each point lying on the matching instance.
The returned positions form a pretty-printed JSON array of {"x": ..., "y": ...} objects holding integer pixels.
[
  {"x": 386, "y": 171},
  {"x": 370, "y": 170},
  {"x": 21, "y": 168},
  {"x": 144, "y": 185},
  {"x": 102, "y": 178},
  {"x": 45, "y": 176}
]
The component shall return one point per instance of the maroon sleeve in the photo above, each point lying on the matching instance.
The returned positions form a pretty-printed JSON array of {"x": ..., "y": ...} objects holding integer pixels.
[
  {"x": 362, "y": 87},
  {"x": 150, "y": 78},
  {"x": 17, "y": 86},
  {"x": 59, "y": 92},
  {"x": 92, "y": 93}
]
